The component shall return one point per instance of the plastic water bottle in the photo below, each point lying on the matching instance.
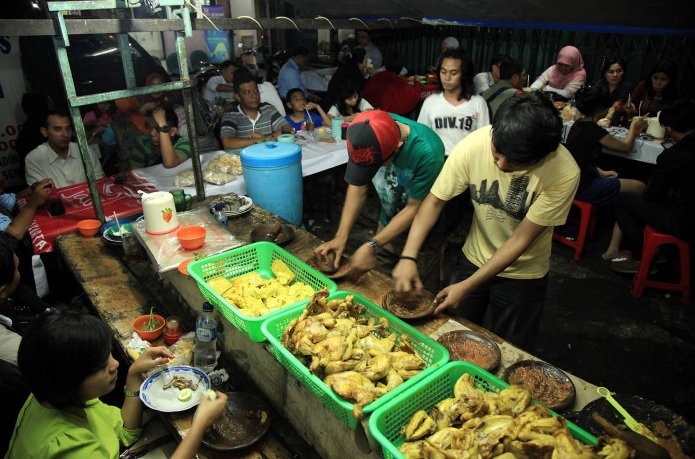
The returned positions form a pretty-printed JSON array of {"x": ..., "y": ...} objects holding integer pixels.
[
  {"x": 220, "y": 215},
  {"x": 205, "y": 356}
]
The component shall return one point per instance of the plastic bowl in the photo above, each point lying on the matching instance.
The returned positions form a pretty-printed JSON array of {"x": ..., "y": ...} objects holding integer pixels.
[
  {"x": 191, "y": 237},
  {"x": 109, "y": 224},
  {"x": 88, "y": 227},
  {"x": 139, "y": 324}
]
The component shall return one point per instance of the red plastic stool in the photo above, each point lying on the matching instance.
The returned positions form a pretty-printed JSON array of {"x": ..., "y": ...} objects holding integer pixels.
[
  {"x": 586, "y": 223},
  {"x": 652, "y": 240}
]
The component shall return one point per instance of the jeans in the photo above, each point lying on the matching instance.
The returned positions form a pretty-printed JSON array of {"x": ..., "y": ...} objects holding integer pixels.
[{"x": 516, "y": 305}]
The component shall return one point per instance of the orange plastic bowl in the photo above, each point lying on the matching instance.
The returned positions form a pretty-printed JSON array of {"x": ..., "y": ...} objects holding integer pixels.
[
  {"x": 191, "y": 237},
  {"x": 140, "y": 323},
  {"x": 88, "y": 227}
]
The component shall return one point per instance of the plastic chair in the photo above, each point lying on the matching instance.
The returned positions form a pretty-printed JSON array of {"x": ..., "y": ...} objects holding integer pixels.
[
  {"x": 173, "y": 64},
  {"x": 652, "y": 240},
  {"x": 198, "y": 59},
  {"x": 586, "y": 223}
]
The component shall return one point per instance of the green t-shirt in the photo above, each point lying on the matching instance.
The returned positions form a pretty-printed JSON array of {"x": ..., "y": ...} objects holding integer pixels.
[
  {"x": 48, "y": 432},
  {"x": 144, "y": 153},
  {"x": 412, "y": 173}
]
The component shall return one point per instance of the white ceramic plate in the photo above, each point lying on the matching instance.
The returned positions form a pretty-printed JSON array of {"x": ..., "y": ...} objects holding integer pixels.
[
  {"x": 230, "y": 206},
  {"x": 154, "y": 396},
  {"x": 242, "y": 209}
]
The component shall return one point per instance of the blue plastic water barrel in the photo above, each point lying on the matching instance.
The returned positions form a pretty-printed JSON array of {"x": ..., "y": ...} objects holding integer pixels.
[{"x": 273, "y": 175}]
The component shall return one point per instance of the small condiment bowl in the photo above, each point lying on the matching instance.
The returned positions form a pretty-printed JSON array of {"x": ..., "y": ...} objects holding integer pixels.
[
  {"x": 140, "y": 323},
  {"x": 191, "y": 237},
  {"x": 89, "y": 227},
  {"x": 172, "y": 330}
]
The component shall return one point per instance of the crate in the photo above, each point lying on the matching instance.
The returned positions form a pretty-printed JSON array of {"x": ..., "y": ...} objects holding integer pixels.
[
  {"x": 255, "y": 257},
  {"x": 429, "y": 350},
  {"x": 385, "y": 423}
]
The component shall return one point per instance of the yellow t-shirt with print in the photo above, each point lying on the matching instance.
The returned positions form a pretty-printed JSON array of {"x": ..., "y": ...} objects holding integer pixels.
[{"x": 543, "y": 194}]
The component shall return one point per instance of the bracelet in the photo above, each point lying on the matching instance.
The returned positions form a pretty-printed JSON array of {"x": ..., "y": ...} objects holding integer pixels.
[
  {"x": 405, "y": 257},
  {"x": 375, "y": 246},
  {"x": 131, "y": 393}
]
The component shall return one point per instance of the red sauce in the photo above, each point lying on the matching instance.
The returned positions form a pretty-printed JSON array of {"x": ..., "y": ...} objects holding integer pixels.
[
  {"x": 474, "y": 352},
  {"x": 549, "y": 390}
]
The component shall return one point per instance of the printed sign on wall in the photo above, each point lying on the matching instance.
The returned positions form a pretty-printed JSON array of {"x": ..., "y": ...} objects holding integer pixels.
[
  {"x": 217, "y": 41},
  {"x": 11, "y": 116}
]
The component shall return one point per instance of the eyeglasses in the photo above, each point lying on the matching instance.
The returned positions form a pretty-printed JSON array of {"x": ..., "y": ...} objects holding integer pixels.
[{"x": 248, "y": 92}]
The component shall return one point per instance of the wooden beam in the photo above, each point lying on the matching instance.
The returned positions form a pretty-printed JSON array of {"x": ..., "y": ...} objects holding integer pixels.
[{"x": 37, "y": 27}]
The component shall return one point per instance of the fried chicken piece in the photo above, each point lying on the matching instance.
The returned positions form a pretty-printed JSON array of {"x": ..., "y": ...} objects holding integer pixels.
[
  {"x": 492, "y": 430},
  {"x": 393, "y": 380},
  {"x": 614, "y": 448},
  {"x": 466, "y": 386},
  {"x": 328, "y": 350},
  {"x": 420, "y": 424},
  {"x": 378, "y": 367},
  {"x": 354, "y": 387},
  {"x": 567, "y": 447},
  {"x": 373, "y": 345},
  {"x": 513, "y": 400}
]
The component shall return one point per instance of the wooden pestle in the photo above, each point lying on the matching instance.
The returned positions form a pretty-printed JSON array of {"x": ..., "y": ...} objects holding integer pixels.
[
  {"x": 274, "y": 232},
  {"x": 644, "y": 447}
]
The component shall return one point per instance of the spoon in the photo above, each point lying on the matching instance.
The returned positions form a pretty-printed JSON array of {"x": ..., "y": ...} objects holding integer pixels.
[
  {"x": 635, "y": 426},
  {"x": 118, "y": 224}
]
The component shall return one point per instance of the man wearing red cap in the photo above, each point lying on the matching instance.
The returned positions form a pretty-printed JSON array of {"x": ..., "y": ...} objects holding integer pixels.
[
  {"x": 402, "y": 158},
  {"x": 522, "y": 183}
]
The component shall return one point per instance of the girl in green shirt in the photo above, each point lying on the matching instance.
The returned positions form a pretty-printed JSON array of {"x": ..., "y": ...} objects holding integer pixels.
[{"x": 65, "y": 357}]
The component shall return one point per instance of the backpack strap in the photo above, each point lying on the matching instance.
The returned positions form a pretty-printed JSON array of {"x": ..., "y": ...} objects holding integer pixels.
[{"x": 495, "y": 94}]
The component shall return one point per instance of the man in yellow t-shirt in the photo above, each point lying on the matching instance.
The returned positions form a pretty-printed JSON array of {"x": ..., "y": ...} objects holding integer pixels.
[{"x": 522, "y": 183}]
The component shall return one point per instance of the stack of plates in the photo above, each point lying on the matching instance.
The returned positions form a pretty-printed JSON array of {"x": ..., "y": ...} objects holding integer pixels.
[{"x": 233, "y": 206}]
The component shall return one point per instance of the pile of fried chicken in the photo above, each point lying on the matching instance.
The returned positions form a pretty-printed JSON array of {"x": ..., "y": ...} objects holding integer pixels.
[
  {"x": 355, "y": 355},
  {"x": 504, "y": 425}
]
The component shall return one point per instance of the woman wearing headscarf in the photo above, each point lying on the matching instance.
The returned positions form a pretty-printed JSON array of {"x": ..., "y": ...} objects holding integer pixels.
[{"x": 566, "y": 76}]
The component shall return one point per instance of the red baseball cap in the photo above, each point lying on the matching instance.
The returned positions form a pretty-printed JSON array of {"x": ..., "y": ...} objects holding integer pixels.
[{"x": 372, "y": 137}]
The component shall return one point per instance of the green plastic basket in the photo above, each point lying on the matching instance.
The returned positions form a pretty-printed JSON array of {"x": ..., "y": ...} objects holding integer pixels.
[
  {"x": 429, "y": 350},
  {"x": 255, "y": 257},
  {"x": 386, "y": 422}
]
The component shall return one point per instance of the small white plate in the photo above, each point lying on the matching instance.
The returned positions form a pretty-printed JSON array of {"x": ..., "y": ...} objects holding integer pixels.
[
  {"x": 229, "y": 204},
  {"x": 154, "y": 396},
  {"x": 242, "y": 209}
]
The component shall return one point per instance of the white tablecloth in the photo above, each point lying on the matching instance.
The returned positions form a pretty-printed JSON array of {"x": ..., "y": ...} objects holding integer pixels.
[
  {"x": 316, "y": 157},
  {"x": 645, "y": 151}
]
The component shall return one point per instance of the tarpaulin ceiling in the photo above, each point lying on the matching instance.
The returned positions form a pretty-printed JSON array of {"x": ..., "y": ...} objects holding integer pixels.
[{"x": 611, "y": 15}]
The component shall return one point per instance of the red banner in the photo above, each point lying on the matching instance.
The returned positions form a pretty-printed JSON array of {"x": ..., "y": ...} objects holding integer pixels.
[{"x": 121, "y": 198}]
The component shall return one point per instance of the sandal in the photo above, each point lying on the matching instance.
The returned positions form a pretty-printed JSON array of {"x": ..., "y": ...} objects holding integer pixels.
[{"x": 621, "y": 255}]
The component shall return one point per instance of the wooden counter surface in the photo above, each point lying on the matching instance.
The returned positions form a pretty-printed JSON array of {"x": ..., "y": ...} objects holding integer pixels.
[{"x": 121, "y": 290}]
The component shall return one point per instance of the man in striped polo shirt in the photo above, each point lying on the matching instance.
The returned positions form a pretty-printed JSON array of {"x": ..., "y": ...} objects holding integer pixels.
[{"x": 252, "y": 121}]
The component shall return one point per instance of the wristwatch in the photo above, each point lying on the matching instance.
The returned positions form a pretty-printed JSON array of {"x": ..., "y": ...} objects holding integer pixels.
[
  {"x": 375, "y": 246},
  {"x": 131, "y": 393},
  {"x": 164, "y": 128}
]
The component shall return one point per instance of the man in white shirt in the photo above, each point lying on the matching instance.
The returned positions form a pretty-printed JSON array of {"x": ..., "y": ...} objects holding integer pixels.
[
  {"x": 453, "y": 112},
  {"x": 58, "y": 158},
  {"x": 221, "y": 86},
  {"x": 484, "y": 80}
]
